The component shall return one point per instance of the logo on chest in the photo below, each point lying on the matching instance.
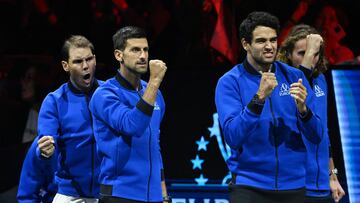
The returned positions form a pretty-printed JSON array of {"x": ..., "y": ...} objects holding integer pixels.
[
  {"x": 318, "y": 91},
  {"x": 156, "y": 106},
  {"x": 284, "y": 90}
]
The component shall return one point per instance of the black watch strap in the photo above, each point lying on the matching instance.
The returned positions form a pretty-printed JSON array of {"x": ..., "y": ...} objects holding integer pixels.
[{"x": 256, "y": 105}]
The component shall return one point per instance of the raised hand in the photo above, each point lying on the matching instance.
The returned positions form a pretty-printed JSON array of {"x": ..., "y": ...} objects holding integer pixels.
[
  {"x": 46, "y": 146},
  {"x": 299, "y": 93},
  {"x": 313, "y": 45},
  {"x": 157, "y": 71},
  {"x": 268, "y": 83}
]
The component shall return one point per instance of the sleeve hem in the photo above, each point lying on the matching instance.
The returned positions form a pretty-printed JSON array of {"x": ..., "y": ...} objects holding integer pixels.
[
  {"x": 307, "y": 116},
  {"x": 255, "y": 108},
  {"x": 144, "y": 107}
]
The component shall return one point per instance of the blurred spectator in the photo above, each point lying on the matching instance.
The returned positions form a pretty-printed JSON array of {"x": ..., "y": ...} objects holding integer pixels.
[
  {"x": 12, "y": 121},
  {"x": 22, "y": 91},
  {"x": 328, "y": 24},
  {"x": 295, "y": 18},
  {"x": 34, "y": 85}
]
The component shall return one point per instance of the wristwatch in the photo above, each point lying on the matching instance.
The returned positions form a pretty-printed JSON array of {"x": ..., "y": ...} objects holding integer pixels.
[
  {"x": 333, "y": 171},
  {"x": 167, "y": 199},
  {"x": 257, "y": 100}
]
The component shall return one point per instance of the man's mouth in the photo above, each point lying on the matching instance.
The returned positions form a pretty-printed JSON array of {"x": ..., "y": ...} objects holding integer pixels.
[
  {"x": 86, "y": 76},
  {"x": 268, "y": 54},
  {"x": 142, "y": 63}
]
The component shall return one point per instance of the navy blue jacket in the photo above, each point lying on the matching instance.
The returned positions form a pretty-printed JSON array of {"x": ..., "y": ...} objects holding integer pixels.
[
  {"x": 267, "y": 141},
  {"x": 65, "y": 115},
  {"x": 127, "y": 131},
  {"x": 37, "y": 182}
]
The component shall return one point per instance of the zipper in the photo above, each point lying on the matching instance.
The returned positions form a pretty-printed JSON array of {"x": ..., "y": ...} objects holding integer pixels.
[
  {"x": 313, "y": 83},
  {"x": 148, "y": 190},
  {"x": 276, "y": 146},
  {"x": 92, "y": 147},
  {"x": 150, "y": 171},
  {"x": 318, "y": 167}
]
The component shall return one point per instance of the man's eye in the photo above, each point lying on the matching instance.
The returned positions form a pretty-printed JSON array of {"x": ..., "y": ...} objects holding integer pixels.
[
  {"x": 77, "y": 61},
  {"x": 89, "y": 58}
]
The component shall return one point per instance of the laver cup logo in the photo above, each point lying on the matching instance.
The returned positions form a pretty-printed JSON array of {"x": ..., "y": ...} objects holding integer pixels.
[
  {"x": 201, "y": 155},
  {"x": 284, "y": 90}
]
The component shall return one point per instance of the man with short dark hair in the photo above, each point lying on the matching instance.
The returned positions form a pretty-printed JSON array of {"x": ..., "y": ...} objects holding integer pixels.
[
  {"x": 127, "y": 113},
  {"x": 265, "y": 113}
]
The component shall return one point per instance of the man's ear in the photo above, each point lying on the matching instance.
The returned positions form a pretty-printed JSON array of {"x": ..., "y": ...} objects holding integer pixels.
[
  {"x": 244, "y": 44},
  {"x": 65, "y": 66},
  {"x": 118, "y": 55}
]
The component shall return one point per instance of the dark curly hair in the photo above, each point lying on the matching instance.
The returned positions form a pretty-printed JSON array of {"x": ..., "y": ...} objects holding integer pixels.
[{"x": 254, "y": 19}]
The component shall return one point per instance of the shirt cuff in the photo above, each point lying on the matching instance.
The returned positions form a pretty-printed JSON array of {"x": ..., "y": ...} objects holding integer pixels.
[
  {"x": 306, "y": 116},
  {"x": 144, "y": 107},
  {"x": 255, "y": 105}
]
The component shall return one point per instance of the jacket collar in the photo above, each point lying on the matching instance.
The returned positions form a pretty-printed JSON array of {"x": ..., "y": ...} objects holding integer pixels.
[
  {"x": 126, "y": 84},
  {"x": 249, "y": 68},
  {"x": 308, "y": 74},
  {"x": 77, "y": 91}
]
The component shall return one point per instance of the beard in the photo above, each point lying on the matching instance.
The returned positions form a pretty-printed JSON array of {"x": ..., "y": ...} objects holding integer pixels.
[
  {"x": 263, "y": 63},
  {"x": 136, "y": 69}
]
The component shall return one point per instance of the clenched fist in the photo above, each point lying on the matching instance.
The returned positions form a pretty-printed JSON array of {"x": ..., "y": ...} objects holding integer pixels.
[
  {"x": 313, "y": 43},
  {"x": 312, "y": 52},
  {"x": 46, "y": 146},
  {"x": 268, "y": 83},
  {"x": 157, "y": 71}
]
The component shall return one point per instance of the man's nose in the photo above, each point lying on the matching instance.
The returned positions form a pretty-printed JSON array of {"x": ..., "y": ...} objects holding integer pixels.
[
  {"x": 85, "y": 64},
  {"x": 268, "y": 44},
  {"x": 143, "y": 54}
]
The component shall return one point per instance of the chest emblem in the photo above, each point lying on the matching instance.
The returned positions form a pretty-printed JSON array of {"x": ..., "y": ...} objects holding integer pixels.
[
  {"x": 156, "y": 106},
  {"x": 318, "y": 91},
  {"x": 284, "y": 90}
]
